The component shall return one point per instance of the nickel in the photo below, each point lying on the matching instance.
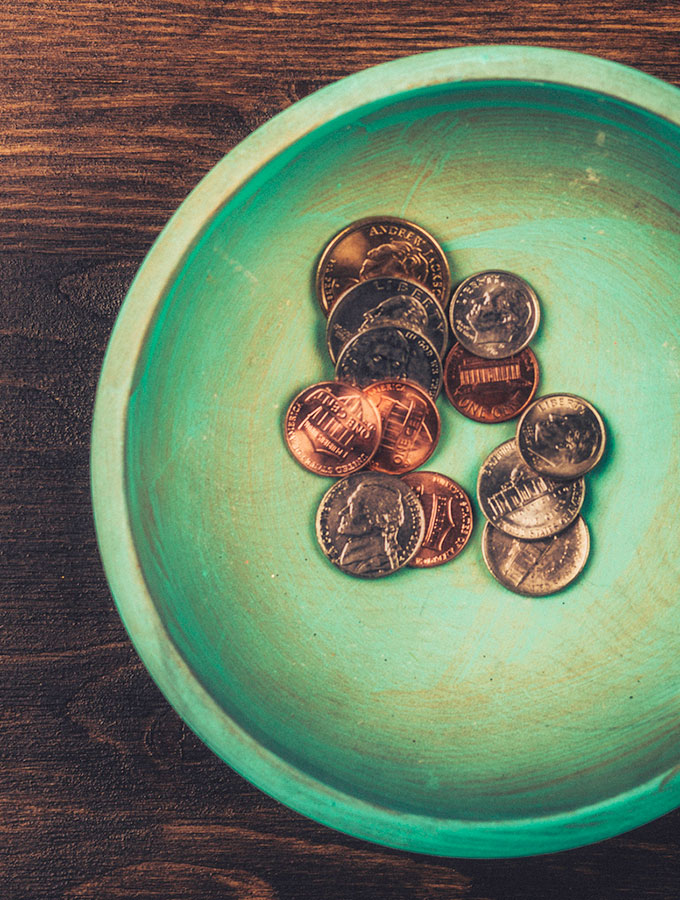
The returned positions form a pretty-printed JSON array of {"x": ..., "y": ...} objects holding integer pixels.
[
  {"x": 536, "y": 568},
  {"x": 494, "y": 314},
  {"x": 370, "y": 524},
  {"x": 561, "y": 435},
  {"x": 522, "y": 502}
]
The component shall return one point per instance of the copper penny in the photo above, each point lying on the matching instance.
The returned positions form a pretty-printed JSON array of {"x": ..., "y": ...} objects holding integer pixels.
[
  {"x": 448, "y": 517},
  {"x": 409, "y": 424},
  {"x": 490, "y": 390},
  {"x": 332, "y": 429},
  {"x": 381, "y": 245}
]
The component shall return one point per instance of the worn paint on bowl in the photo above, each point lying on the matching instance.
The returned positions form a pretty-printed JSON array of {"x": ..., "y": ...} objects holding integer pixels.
[{"x": 432, "y": 711}]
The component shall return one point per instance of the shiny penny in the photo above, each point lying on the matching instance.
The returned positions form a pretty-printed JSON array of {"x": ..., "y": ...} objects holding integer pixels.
[
  {"x": 390, "y": 352},
  {"x": 384, "y": 300},
  {"x": 494, "y": 314},
  {"x": 448, "y": 518},
  {"x": 332, "y": 429},
  {"x": 487, "y": 390},
  {"x": 536, "y": 568},
  {"x": 409, "y": 425},
  {"x": 381, "y": 245},
  {"x": 370, "y": 524},
  {"x": 520, "y": 501},
  {"x": 561, "y": 435}
]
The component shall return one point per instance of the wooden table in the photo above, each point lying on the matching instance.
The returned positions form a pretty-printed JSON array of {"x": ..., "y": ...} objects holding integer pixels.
[{"x": 111, "y": 112}]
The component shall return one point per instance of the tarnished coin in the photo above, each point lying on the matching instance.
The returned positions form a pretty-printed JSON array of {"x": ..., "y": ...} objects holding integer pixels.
[
  {"x": 521, "y": 502},
  {"x": 409, "y": 424},
  {"x": 494, "y": 314},
  {"x": 536, "y": 568},
  {"x": 448, "y": 518},
  {"x": 490, "y": 390},
  {"x": 332, "y": 429},
  {"x": 381, "y": 245},
  {"x": 380, "y": 301},
  {"x": 561, "y": 435},
  {"x": 390, "y": 352},
  {"x": 370, "y": 524}
]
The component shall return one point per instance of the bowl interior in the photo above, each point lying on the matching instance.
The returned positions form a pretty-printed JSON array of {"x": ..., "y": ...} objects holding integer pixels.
[{"x": 429, "y": 693}]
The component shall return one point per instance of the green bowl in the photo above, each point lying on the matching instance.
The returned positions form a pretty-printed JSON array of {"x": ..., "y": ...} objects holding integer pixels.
[{"x": 433, "y": 710}]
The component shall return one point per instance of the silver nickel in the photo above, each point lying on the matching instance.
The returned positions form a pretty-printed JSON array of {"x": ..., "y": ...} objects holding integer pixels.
[
  {"x": 389, "y": 352},
  {"x": 370, "y": 524},
  {"x": 536, "y": 568},
  {"x": 523, "y": 503},
  {"x": 561, "y": 435},
  {"x": 386, "y": 300},
  {"x": 494, "y": 314}
]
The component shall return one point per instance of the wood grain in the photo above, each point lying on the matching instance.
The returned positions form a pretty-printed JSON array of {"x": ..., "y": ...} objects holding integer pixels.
[{"x": 110, "y": 114}]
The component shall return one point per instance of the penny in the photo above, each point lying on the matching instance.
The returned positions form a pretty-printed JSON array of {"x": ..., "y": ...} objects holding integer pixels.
[
  {"x": 536, "y": 568},
  {"x": 332, "y": 429},
  {"x": 383, "y": 300},
  {"x": 370, "y": 524},
  {"x": 409, "y": 426},
  {"x": 390, "y": 352},
  {"x": 381, "y": 245},
  {"x": 520, "y": 501},
  {"x": 561, "y": 435},
  {"x": 490, "y": 390},
  {"x": 494, "y": 314},
  {"x": 448, "y": 518}
]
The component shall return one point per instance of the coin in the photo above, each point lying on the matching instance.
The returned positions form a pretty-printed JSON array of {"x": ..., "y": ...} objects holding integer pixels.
[
  {"x": 490, "y": 390},
  {"x": 536, "y": 568},
  {"x": 409, "y": 426},
  {"x": 332, "y": 429},
  {"x": 561, "y": 435},
  {"x": 448, "y": 517},
  {"x": 370, "y": 524},
  {"x": 390, "y": 352},
  {"x": 381, "y": 245},
  {"x": 494, "y": 314},
  {"x": 521, "y": 502},
  {"x": 378, "y": 301}
]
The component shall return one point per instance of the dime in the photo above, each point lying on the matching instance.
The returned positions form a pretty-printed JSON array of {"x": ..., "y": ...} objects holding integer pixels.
[
  {"x": 332, "y": 429},
  {"x": 490, "y": 390},
  {"x": 381, "y": 245},
  {"x": 521, "y": 502},
  {"x": 448, "y": 518},
  {"x": 409, "y": 425},
  {"x": 536, "y": 568},
  {"x": 561, "y": 435},
  {"x": 494, "y": 314},
  {"x": 390, "y": 352},
  {"x": 370, "y": 524},
  {"x": 379, "y": 301}
]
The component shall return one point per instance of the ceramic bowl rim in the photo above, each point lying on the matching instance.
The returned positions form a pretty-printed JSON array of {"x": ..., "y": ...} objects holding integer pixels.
[{"x": 445, "y": 837}]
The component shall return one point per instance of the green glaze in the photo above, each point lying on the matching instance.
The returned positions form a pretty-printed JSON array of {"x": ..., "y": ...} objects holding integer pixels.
[{"x": 432, "y": 710}]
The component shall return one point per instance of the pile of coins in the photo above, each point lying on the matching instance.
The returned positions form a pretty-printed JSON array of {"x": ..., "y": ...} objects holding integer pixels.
[{"x": 384, "y": 285}]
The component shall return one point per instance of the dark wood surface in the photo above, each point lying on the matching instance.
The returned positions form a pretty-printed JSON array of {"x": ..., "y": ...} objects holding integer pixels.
[{"x": 111, "y": 112}]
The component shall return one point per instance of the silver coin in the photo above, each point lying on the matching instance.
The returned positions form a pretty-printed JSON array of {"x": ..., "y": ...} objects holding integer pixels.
[
  {"x": 388, "y": 352},
  {"x": 370, "y": 524},
  {"x": 561, "y": 435},
  {"x": 523, "y": 503},
  {"x": 536, "y": 568},
  {"x": 385, "y": 300},
  {"x": 494, "y": 314}
]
